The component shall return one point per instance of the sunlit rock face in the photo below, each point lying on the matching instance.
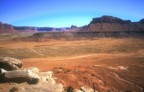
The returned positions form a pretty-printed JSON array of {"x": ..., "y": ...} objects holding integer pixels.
[
  {"x": 112, "y": 24},
  {"x": 9, "y": 63},
  {"x": 26, "y": 79}
]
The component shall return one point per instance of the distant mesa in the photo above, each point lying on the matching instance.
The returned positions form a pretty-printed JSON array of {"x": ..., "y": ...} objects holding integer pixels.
[
  {"x": 25, "y": 29},
  {"x": 142, "y": 21},
  {"x": 113, "y": 24},
  {"x": 102, "y": 24},
  {"x": 6, "y": 28},
  {"x": 109, "y": 19}
]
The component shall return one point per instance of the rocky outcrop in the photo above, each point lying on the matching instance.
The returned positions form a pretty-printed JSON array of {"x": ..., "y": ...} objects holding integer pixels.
[
  {"x": 83, "y": 89},
  {"x": 20, "y": 74},
  {"x": 114, "y": 27},
  {"x": 9, "y": 63},
  {"x": 42, "y": 81},
  {"x": 36, "y": 81},
  {"x": 111, "y": 24},
  {"x": 87, "y": 89},
  {"x": 109, "y": 19},
  {"x": 6, "y": 28},
  {"x": 101, "y": 24}
]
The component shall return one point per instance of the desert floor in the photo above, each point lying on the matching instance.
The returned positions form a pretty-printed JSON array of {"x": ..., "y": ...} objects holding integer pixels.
[{"x": 114, "y": 64}]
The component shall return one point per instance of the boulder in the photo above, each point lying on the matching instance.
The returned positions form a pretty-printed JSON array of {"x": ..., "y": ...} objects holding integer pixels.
[
  {"x": 14, "y": 89},
  {"x": 9, "y": 63},
  {"x": 87, "y": 89},
  {"x": 31, "y": 75},
  {"x": 33, "y": 70},
  {"x": 77, "y": 90},
  {"x": 43, "y": 79},
  {"x": 59, "y": 88},
  {"x": 47, "y": 77},
  {"x": 21, "y": 76},
  {"x": 2, "y": 71},
  {"x": 33, "y": 81}
]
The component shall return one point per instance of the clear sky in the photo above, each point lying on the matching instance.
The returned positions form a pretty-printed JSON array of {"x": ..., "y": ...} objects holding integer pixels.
[{"x": 64, "y": 13}]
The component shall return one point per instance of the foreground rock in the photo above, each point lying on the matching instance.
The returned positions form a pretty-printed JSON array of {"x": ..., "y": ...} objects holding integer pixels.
[
  {"x": 25, "y": 79},
  {"x": 45, "y": 87},
  {"x": 21, "y": 76},
  {"x": 31, "y": 80},
  {"x": 9, "y": 63},
  {"x": 82, "y": 89},
  {"x": 87, "y": 89},
  {"x": 30, "y": 75}
]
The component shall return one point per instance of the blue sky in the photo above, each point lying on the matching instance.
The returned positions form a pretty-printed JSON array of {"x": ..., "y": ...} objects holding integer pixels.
[{"x": 64, "y": 13}]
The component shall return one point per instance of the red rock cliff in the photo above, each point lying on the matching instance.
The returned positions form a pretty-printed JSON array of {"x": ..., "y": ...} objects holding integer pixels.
[{"x": 110, "y": 23}]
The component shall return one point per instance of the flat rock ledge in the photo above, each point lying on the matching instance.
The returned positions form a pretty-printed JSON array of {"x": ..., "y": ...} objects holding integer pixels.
[{"x": 30, "y": 79}]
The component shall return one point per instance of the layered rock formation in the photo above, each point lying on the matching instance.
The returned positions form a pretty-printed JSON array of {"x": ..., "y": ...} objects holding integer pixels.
[
  {"x": 42, "y": 81},
  {"x": 109, "y": 19},
  {"x": 101, "y": 24},
  {"x": 81, "y": 35},
  {"x": 105, "y": 26},
  {"x": 110, "y": 24},
  {"x": 8, "y": 63},
  {"x": 6, "y": 28},
  {"x": 31, "y": 80}
]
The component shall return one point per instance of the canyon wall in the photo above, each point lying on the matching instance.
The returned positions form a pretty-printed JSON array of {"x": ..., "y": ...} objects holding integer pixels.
[{"x": 111, "y": 24}]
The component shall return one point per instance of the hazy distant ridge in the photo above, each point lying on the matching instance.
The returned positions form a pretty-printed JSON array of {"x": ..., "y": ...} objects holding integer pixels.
[{"x": 101, "y": 24}]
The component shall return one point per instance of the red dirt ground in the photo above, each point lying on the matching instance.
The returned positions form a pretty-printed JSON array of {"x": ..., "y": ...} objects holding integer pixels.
[{"x": 103, "y": 72}]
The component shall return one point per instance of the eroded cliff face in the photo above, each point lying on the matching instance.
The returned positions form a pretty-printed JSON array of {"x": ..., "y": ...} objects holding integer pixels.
[
  {"x": 111, "y": 24},
  {"x": 109, "y": 19},
  {"x": 6, "y": 28},
  {"x": 110, "y": 27},
  {"x": 46, "y": 36},
  {"x": 101, "y": 24}
]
